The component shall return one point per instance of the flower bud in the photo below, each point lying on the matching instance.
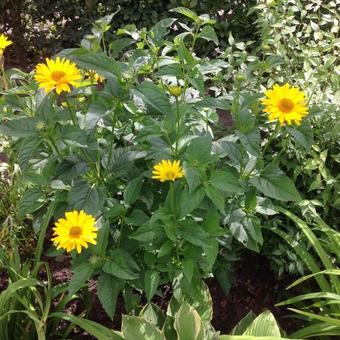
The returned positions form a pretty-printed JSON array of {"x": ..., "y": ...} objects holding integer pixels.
[{"x": 175, "y": 90}]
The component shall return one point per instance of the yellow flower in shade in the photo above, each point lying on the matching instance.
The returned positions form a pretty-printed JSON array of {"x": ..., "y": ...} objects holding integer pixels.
[
  {"x": 285, "y": 103},
  {"x": 167, "y": 171},
  {"x": 4, "y": 42},
  {"x": 94, "y": 75},
  {"x": 59, "y": 74},
  {"x": 75, "y": 231}
]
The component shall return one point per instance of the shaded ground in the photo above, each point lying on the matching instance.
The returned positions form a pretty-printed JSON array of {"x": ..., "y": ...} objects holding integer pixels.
[{"x": 255, "y": 288}]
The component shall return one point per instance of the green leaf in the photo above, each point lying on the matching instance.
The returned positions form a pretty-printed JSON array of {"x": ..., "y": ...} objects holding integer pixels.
[
  {"x": 216, "y": 198},
  {"x": 211, "y": 252},
  {"x": 188, "y": 324},
  {"x": 211, "y": 223},
  {"x": 99, "y": 62},
  {"x": 226, "y": 180},
  {"x": 94, "y": 328},
  {"x": 199, "y": 150},
  {"x": 303, "y": 134},
  {"x": 89, "y": 198},
  {"x": 147, "y": 232},
  {"x": 153, "y": 314},
  {"x": 27, "y": 150},
  {"x": 81, "y": 274},
  {"x": 264, "y": 325},
  {"x": 191, "y": 201},
  {"x": 192, "y": 176},
  {"x": 250, "y": 200},
  {"x": 161, "y": 29},
  {"x": 186, "y": 12},
  {"x": 185, "y": 54},
  {"x": 188, "y": 268},
  {"x": 31, "y": 201},
  {"x": 108, "y": 289},
  {"x": 208, "y": 33},
  {"x": 151, "y": 281},
  {"x": 165, "y": 248},
  {"x": 251, "y": 141},
  {"x": 102, "y": 239},
  {"x": 243, "y": 324},
  {"x": 190, "y": 231},
  {"x": 22, "y": 127},
  {"x": 152, "y": 95},
  {"x": 121, "y": 265},
  {"x": 133, "y": 189},
  {"x": 274, "y": 183},
  {"x": 135, "y": 328}
]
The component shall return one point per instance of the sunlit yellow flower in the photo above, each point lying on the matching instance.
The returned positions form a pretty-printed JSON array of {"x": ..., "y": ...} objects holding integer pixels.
[
  {"x": 94, "y": 75},
  {"x": 75, "y": 231},
  {"x": 167, "y": 171},
  {"x": 57, "y": 74},
  {"x": 288, "y": 104},
  {"x": 4, "y": 42}
]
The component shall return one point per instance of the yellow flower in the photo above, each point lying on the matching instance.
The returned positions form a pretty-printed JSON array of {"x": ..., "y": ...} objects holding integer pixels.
[
  {"x": 75, "y": 231},
  {"x": 58, "y": 74},
  {"x": 167, "y": 171},
  {"x": 288, "y": 104},
  {"x": 4, "y": 42},
  {"x": 93, "y": 74}
]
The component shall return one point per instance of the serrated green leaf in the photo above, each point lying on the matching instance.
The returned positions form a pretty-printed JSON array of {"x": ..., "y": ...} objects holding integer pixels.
[
  {"x": 81, "y": 274},
  {"x": 89, "y": 198},
  {"x": 226, "y": 180},
  {"x": 152, "y": 95},
  {"x": 108, "y": 289},
  {"x": 274, "y": 183},
  {"x": 133, "y": 189}
]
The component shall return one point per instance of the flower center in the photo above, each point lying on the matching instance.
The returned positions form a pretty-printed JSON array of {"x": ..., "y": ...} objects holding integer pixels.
[
  {"x": 57, "y": 75},
  {"x": 170, "y": 175},
  {"x": 75, "y": 232},
  {"x": 286, "y": 105}
]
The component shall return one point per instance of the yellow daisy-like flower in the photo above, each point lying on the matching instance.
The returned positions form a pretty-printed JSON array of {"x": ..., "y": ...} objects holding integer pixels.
[
  {"x": 167, "y": 171},
  {"x": 60, "y": 74},
  {"x": 288, "y": 104},
  {"x": 4, "y": 42},
  {"x": 97, "y": 77},
  {"x": 75, "y": 231}
]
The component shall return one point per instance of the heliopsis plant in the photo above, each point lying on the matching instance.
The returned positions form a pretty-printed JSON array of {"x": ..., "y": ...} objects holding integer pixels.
[
  {"x": 4, "y": 42},
  {"x": 75, "y": 231},
  {"x": 285, "y": 103},
  {"x": 59, "y": 74},
  {"x": 167, "y": 171}
]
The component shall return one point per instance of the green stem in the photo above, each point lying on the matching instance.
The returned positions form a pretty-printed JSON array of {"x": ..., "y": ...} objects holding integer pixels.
[
  {"x": 42, "y": 234},
  {"x": 109, "y": 157},
  {"x": 72, "y": 113},
  {"x": 55, "y": 148},
  {"x": 272, "y": 136},
  {"x": 177, "y": 127}
]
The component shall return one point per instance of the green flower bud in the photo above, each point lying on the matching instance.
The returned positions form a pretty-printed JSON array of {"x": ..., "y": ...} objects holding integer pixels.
[{"x": 175, "y": 90}]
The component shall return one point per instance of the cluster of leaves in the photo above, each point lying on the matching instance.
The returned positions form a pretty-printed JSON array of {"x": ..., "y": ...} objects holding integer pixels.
[
  {"x": 93, "y": 149},
  {"x": 48, "y": 26}
]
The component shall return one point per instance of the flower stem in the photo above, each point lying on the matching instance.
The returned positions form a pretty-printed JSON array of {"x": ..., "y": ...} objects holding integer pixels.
[
  {"x": 42, "y": 234},
  {"x": 177, "y": 127}
]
